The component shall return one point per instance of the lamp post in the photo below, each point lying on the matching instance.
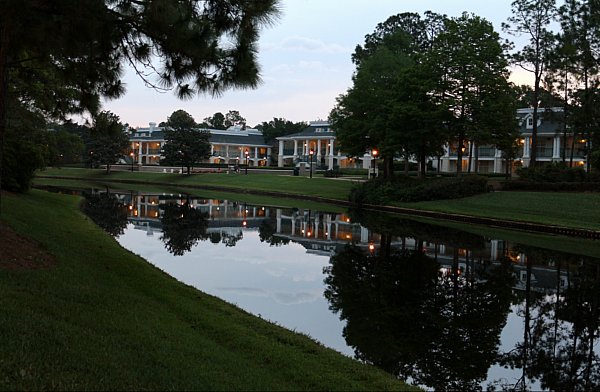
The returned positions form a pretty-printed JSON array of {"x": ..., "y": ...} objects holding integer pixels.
[
  {"x": 246, "y": 153},
  {"x": 312, "y": 154},
  {"x": 131, "y": 154},
  {"x": 374, "y": 153}
]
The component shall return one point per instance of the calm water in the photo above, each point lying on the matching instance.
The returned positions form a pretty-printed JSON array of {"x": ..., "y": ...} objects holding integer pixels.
[{"x": 439, "y": 307}]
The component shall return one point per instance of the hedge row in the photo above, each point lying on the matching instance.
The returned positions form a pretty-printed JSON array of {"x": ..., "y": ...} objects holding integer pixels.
[{"x": 406, "y": 189}]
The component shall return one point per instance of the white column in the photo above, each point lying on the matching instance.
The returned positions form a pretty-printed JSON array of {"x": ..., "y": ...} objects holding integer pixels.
[
  {"x": 295, "y": 149},
  {"x": 140, "y": 153},
  {"x": 227, "y": 152},
  {"x": 364, "y": 234},
  {"x": 527, "y": 147},
  {"x": 494, "y": 250},
  {"x": 280, "y": 156},
  {"x": 556, "y": 147},
  {"x": 319, "y": 150},
  {"x": 330, "y": 163},
  {"x": 306, "y": 146}
]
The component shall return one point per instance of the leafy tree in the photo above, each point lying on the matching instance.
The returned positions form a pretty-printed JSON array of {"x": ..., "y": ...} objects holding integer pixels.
[
  {"x": 217, "y": 121},
  {"x": 391, "y": 80},
  {"x": 532, "y": 19},
  {"x": 183, "y": 226},
  {"x": 23, "y": 153},
  {"x": 185, "y": 145},
  {"x": 109, "y": 140},
  {"x": 278, "y": 127},
  {"x": 232, "y": 118},
  {"x": 473, "y": 69},
  {"x": 63, "y": 147},
  {"x": 580, "y": 45},
  {"x": 61, "y": 57}
]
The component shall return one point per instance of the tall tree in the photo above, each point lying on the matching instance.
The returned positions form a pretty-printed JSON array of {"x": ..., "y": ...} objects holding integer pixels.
[
  {"x": 532, "y": 19},
  {"x": 378, "y": 111},
  {"x": 185, "y": 145},
  {"x": 473, "y": 69},
  {"x": 580, "y": 42},
  {"x": 109, "y": 140},
  {"x": 61, "y": 57}
]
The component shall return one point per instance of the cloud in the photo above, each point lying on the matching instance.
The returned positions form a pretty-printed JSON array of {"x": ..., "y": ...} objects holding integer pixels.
[{"x": 305, "y": 44}]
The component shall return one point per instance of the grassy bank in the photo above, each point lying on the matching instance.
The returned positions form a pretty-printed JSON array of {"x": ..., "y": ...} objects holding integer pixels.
[
  {"x": 103, "y": 318},
  {"x": 576, "y": 210}
]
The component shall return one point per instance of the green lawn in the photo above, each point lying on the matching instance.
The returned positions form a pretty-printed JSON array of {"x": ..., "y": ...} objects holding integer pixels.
[
  {"x": 103, "y": 318},
  {"x": 581, "y": 210}
]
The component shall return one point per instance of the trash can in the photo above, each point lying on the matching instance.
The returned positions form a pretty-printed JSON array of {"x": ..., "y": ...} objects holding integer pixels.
[{"x": 296, "y": 171}]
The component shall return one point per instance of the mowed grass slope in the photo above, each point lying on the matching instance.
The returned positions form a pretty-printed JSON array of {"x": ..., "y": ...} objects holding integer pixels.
[{"x": 103, "y": 318}]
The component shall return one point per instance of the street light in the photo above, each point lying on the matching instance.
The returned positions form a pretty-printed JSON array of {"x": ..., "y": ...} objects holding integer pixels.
[
  {"x": 374, "y": 153},
  {"x": 131, "y": 154},
  {"x": 247, "y": 154},
  {"x": 312, "y": 154}
]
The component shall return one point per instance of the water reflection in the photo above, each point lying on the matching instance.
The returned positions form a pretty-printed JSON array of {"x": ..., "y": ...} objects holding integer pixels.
[
  {"x": 439, "y": 307},
  {"x": 107, "y": 211},
  {"x": 182, "y": 227}
]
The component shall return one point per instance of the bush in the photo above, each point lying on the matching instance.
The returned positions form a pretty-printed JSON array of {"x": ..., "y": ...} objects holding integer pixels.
[
  {"x": 555, "y": 172},
  {"x": 20, "y": 159},
  {"x": 407, "y": 189},
  {"x": 332, "y": 173}
]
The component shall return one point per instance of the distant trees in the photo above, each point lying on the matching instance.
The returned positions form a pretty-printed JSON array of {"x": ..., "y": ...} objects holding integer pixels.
[
  {"x": 185, "y": 144},
  {"x": 109, "y": 140}
]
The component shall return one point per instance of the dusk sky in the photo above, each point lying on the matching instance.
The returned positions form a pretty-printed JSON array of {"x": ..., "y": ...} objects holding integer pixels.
[{"x": 305, "y": 60}]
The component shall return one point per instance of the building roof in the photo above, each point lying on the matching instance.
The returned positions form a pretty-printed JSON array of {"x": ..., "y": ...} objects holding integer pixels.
[
  {"x": 549, "y": 120},
  {"x": 316, "y": 130}
]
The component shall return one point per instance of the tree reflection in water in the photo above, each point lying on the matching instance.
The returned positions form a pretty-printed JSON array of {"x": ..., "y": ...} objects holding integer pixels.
[
  {"x": 182, "y": 227},
  {"x": 560, "y": 330},
  {"x": 107, "y": 211},
  {"x": 405, "y": 315}
]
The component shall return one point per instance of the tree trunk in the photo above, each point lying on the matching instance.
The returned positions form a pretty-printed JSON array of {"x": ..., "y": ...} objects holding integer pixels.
[
  {"x": 406, "y": 166},
  {"x": 459, "y": 156},
  {"x": 4, "y": 42},
  {"x": 422, "y": 166},
  {"x": 476, "y": 157},
  {"x": 470, "y": 158}
]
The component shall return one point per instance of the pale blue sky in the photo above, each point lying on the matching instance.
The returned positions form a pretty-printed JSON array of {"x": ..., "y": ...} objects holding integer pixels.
[{"x": 305, "y": 61}]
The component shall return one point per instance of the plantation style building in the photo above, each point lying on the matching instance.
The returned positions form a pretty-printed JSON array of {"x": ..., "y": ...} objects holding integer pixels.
[
  {"x": 552, "y": 141},
  {"x": 226, "y": 146},
  {"x": 316, "y": 144}
]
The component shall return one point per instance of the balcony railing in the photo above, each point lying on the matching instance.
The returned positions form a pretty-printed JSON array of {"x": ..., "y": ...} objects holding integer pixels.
[
  {"x": 154, "y": 151},
  {"x": 486, "y": 152},
  {"x": 545, "y": 152}
]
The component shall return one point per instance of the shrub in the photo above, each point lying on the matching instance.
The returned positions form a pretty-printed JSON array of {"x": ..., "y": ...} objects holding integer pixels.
[
  {"x": 407, "y": 189},
  {"x": 333, "y": 173},
  {"x": 555, "y": 172}
]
